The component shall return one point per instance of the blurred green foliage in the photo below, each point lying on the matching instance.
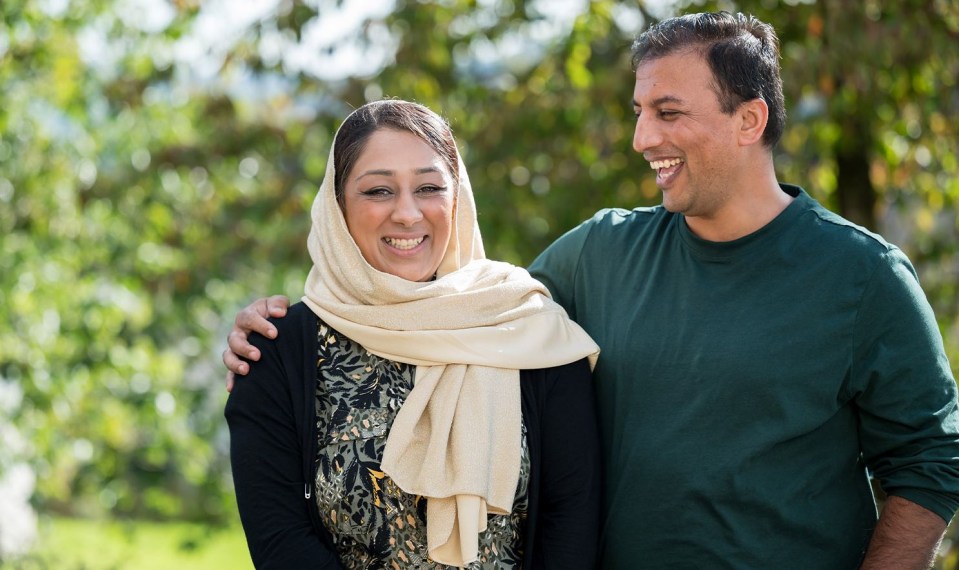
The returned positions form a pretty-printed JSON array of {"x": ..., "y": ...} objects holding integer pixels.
[
  {"x": 77, "y": 544},
  {"x": 148, "y": 191}
]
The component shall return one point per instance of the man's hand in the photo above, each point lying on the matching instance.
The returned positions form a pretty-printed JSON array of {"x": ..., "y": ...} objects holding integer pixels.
[{"x": 251, "y": 319}]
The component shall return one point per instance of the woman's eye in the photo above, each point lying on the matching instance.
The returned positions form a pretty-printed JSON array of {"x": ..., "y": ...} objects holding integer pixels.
[
  {"x": 377, "y": 192},
  {"x": 430, "y": 189}
]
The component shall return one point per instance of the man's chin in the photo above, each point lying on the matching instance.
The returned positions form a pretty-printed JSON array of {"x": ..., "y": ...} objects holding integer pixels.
[{"x": 671, "y": 205}]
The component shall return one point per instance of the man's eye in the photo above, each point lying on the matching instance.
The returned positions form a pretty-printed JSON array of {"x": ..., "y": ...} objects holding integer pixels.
[{"x": 668, "y": 114}]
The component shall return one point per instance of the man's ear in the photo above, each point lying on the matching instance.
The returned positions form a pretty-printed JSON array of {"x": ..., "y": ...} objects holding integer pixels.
[{"x": 753, "y": 116}]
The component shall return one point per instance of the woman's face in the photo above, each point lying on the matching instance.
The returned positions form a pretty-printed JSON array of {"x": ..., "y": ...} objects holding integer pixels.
[{"x": 398, "y": 205}]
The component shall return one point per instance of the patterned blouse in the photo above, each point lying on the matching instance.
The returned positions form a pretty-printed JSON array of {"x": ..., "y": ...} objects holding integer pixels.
[{"x": 373, "y": 523}]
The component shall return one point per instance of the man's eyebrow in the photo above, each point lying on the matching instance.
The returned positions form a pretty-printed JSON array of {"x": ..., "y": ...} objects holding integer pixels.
[{"x": 662, "y": 100}]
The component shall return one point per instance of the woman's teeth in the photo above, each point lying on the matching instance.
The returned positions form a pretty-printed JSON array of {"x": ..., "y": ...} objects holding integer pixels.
[{"x": 404, "y": 243}]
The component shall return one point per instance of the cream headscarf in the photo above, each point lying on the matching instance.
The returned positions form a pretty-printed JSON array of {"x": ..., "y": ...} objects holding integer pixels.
[{"x": 456, "y": 439}]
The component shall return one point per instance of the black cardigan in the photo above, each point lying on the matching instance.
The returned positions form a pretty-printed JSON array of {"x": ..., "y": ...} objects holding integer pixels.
[{"x": 272, "y": 419}]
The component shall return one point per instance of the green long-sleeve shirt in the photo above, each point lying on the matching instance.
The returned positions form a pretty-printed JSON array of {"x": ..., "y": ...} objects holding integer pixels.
[{"x": 745, "y": 387}]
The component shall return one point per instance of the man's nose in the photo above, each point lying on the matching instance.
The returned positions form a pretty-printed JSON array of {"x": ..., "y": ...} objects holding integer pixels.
[{"x": 646, "y": 135}]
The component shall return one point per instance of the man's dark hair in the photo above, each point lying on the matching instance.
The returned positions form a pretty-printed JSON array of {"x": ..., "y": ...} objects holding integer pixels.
[
  {"x": 741, "y": 51},
  {"x": 397, "y": 115}
]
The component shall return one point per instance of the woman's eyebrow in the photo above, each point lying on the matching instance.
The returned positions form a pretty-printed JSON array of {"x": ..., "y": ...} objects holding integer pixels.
[
  {"x": 385, "y": 172},
  {"x": 375, "y": 172}
]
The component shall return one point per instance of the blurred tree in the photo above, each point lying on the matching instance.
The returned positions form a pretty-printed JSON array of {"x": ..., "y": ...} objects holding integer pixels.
[
  {"x": 129, "y": 190},
  {"x": 158, "y": 160}
]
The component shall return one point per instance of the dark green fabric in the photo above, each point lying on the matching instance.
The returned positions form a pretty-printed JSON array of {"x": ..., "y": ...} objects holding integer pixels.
[{"x": 744, "y": 387}]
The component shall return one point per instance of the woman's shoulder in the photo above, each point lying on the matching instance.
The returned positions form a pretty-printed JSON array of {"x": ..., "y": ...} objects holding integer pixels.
[
  {"x": 543, "y": 379},
  {"x": 294, "y": 329},
  {"x": 297, "y": 319},
  {"x": 297, "y": 315},
  {"x": 300, "y": 317}
]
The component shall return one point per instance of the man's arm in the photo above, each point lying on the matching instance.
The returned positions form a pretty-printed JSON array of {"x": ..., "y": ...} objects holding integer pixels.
[
  {"x": 253, "y": 318},
  {"x": 908, "y": 416},
  {"x": 907, "y": 537},
  {"x": 557, "y": 265}
]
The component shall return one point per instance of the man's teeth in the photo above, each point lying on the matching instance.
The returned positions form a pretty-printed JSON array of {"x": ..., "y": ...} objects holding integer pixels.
[
  {"x": 657, "y": 164},
  {"x": 404, "y": 243}
]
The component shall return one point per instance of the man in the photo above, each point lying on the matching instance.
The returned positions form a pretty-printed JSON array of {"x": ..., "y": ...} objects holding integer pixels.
[{"x": 761, "y": 355}]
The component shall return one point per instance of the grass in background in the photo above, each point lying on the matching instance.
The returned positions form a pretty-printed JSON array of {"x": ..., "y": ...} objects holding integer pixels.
[{"x": 74, "y": 544}]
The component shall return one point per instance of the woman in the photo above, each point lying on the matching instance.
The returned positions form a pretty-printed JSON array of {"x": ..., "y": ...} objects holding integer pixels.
[{"x": 423, "y": 406}]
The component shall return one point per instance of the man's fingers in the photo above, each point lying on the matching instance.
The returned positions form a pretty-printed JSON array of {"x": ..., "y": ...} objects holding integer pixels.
[
  {"x": 253, "y": 319},
  {"x": 234, "y": 363},
  {"x": 238, "y": 343},
  {"x": 277, "y": 305}
]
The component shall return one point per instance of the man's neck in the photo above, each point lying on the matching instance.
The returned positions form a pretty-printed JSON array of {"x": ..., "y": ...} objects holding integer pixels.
[{"x": 749, "y": 209}]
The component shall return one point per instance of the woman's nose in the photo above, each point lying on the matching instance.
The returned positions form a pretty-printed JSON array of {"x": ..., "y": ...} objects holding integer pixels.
[{"x": 407, "y": 211}]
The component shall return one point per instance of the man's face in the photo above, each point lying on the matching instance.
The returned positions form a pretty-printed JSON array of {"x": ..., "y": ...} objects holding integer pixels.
[{"x": 683, "y": 133}]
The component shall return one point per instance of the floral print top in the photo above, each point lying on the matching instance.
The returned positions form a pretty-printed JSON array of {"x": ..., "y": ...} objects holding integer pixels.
[{"x": 373, "y": 523}]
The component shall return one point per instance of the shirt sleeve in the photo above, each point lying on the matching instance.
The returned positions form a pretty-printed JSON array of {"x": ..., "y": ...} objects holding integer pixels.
[
  {"x": 905, "y": 392},
  {"x": 557, "y": 266},
  {"x": 267, "y": 459}
]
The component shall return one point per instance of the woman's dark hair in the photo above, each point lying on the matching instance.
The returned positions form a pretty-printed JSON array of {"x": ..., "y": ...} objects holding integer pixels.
[
  {"x": 397, "y": 115},
  {"x": 741, "y": 51}
]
